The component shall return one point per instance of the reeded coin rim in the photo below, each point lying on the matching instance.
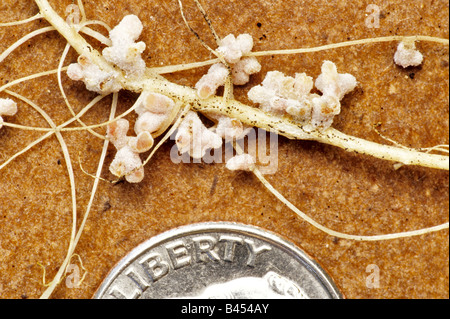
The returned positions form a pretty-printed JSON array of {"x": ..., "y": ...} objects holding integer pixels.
[{"x": 245, "y": 229}]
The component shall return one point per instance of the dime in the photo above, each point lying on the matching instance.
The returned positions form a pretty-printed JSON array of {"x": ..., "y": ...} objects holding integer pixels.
[{"x": 217, "y": 260}]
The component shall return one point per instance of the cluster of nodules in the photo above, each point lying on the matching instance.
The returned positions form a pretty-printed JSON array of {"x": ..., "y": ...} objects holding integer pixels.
[
  {"x": 233, "y": 50},
  {"x": 193, "y": 137},
  {"x": 154, "y": 114},
  {"x": 124, "y": 53},
  {"x": 285, "y": 95},
  {"x": 278, "y": 94},
  {"x": 155, "y": 110}
]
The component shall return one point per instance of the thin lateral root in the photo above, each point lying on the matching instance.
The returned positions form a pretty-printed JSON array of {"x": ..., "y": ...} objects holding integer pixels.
[{"x": 13, "y": 23}]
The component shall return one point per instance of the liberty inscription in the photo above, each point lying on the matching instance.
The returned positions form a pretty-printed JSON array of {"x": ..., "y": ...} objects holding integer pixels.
[{"x": 161, "y": 261}]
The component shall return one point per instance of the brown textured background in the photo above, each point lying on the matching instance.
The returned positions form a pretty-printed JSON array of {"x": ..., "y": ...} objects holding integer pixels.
[{"x": 346, "y": 192}]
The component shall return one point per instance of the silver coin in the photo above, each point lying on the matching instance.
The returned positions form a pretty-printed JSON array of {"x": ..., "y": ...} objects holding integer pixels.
[{"x": 217, "y": 260}]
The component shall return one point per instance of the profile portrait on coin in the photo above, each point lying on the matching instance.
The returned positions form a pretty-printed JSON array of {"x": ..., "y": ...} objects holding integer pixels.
[{"x": 270, "y": 286}]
